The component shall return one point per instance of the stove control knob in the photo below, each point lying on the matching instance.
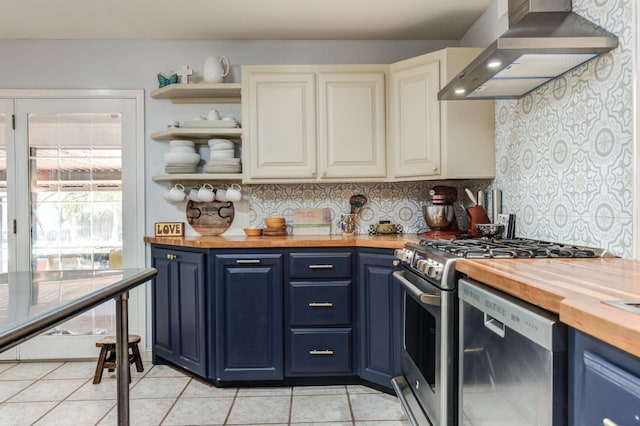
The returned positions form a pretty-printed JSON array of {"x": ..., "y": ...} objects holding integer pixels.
[
  {"x": 402, "y": 254},
  {"x": 435, "y": 270},
  {"x": 422, "y": 265}
]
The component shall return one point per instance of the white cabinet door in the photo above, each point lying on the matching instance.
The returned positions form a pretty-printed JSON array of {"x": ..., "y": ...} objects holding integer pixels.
[
  {"x": 351, "y": 125},
  {"x": 415, "y": 119},
  {"x": 281, "y": 133}
]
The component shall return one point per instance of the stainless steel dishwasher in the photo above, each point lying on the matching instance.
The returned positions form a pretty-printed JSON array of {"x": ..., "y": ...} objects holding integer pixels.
[{"x": 512, "y": 361}]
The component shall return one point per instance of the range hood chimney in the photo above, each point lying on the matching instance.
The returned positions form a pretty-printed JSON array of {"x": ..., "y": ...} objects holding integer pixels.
[{"x": 545, "y": 39}]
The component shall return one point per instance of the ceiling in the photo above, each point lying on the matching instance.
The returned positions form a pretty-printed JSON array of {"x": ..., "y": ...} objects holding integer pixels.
[{"x": 239, "y": 19}]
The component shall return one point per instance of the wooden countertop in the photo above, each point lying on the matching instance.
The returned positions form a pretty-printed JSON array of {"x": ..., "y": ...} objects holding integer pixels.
[
  {"x": 391, "y": 241},
  {"x": 572, "y": 288}
]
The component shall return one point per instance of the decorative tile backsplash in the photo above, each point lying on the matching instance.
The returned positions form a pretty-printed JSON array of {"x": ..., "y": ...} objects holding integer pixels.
[
  {"x": 401, "y": 202},
  {"x": 564, "y": 153}
]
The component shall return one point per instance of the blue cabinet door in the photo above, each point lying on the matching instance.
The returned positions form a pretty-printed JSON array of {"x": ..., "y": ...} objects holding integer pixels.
[
  {"x": 178, "y": 299},
  {"x": 604, "y": 383},
  {"x": 380, "y": 317},
  {"x": 249, "y": 318}
]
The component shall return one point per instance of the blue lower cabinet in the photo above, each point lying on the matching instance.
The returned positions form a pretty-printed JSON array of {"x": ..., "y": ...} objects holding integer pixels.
[
  {"x": 604, "y": 384},
  {"x": 178, "y": 294},
  {"x": 319, "y": 352},
  {"x": 249, "y": 316},
  {"x": 380, "y": 317}
]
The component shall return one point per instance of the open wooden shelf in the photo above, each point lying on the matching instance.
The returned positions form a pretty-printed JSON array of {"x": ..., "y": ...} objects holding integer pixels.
[
  {"x": 197, "y": 133},
  {"x": 222, "y": 93},
  {"x": 197, "y": 177}
]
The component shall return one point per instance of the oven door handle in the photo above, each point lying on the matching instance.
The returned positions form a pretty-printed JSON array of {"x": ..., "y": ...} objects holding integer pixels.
[{"x": 426, "y": 298}]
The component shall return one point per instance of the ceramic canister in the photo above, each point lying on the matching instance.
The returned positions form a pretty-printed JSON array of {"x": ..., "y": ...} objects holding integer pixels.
[{"x": 348, "y": 224}]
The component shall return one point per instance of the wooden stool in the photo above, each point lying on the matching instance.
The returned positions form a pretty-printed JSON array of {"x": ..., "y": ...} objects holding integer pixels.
[{"x": 107, "y": 358}]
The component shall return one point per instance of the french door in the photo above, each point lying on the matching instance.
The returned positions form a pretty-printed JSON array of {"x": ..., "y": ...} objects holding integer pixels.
[{"x": 73, "y": 199}]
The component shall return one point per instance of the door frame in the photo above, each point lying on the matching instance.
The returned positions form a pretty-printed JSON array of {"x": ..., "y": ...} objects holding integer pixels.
[{"x": 135, "y": 195}]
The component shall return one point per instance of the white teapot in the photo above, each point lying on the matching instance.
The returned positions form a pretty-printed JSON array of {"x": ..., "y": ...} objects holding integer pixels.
[{"x": 215, "y": 69}]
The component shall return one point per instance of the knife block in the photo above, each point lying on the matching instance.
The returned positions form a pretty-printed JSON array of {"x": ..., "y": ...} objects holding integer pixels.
[{"x": 477, "y": 215}]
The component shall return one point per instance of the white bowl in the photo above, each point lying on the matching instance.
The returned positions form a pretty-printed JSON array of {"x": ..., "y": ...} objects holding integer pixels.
[
  {"x": 220, "y": 155},
  {"x": 181, "y": 142},
  {"x": 179, "y": 148},
  {"x": 182, "y": 157},
  {"x": 222, "y": 147},
  {"x": 220, "y": 143}
]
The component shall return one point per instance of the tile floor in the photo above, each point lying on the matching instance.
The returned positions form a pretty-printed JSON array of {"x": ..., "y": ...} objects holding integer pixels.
[{"x": 62, "y": 393}]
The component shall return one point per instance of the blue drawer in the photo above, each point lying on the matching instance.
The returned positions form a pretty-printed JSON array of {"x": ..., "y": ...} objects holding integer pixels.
[
  {"x": 320, "y": 265},
  {"x": 320, "y": 352},
  {"x": 320, "y": 304}
]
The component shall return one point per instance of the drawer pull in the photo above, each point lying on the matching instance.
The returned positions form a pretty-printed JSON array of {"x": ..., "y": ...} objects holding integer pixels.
[
  {"x": 321, "y": 266},
  {"x": 324, "y": 352},
  {"x": 321, "y": 305},
  {"x": 171, "y": 256},
  {"x": 608, "y": 422},
  {"x": 248, "y": 261}
]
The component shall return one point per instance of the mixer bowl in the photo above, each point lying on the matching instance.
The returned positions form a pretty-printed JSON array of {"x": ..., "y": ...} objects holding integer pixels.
[{"x": 438, "y": 216}]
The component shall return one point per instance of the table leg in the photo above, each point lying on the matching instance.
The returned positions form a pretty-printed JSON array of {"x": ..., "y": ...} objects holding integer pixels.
[{"x": 122, "y": 357}]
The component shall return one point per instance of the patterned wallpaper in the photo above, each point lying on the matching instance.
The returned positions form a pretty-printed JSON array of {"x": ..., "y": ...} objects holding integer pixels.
[
  {"x": 564, "y": 153},
  {"x": 401, "y": 202}
]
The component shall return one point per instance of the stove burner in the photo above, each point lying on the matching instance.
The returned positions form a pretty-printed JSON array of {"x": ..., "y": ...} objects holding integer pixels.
[{"x": 519, "y": 248}]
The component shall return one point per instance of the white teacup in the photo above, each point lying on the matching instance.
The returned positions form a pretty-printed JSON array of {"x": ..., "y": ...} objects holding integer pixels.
[
  {"x": 193, "y": 195},
  {"x": 176, "y": 194},
  {"x": 234, "y": 193},
  {"x": 206, "y": 193},
  {"x": 221, "y": 194},
  {"x": 213, "y": 115}
]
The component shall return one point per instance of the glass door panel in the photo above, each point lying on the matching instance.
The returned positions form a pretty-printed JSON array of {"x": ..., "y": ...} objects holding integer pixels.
[
  {"x": 73, "y": 155},
  {"x": 75, "y": 184}
]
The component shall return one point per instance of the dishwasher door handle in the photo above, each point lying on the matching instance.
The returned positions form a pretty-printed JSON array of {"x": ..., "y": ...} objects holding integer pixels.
[
  {"x": 494, "y": 325},
  {"x": 432, "y": 299}
]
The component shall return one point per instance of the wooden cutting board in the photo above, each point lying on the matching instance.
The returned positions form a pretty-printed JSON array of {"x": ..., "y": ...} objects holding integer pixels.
[{"x": 210, "y": 218}]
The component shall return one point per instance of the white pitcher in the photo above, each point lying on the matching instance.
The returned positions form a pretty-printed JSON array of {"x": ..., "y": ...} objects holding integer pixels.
[{"x": 215, "y": 69}]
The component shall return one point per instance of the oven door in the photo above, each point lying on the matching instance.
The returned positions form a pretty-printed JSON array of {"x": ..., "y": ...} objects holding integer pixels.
[{"x": 428, "y": 351}]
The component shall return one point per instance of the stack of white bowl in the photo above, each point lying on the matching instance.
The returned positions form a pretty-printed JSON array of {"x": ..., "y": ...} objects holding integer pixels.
[
  {"x": 221, "y": 157},
  {"x": 181, "y": 157}
]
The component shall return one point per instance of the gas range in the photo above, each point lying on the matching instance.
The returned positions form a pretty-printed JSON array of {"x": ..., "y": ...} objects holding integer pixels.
[{"x": 434, "y": 259}]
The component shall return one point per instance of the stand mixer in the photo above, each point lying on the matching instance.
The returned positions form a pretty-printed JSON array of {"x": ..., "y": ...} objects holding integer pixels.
[{"x": 439, "y": 212}]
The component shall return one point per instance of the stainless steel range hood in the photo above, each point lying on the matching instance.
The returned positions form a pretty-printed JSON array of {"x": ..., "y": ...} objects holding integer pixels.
[{"x": 545, "y": 39}]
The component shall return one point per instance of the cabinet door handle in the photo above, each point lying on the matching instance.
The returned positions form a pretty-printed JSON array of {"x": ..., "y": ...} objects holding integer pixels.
[
  {"x": 248, "y": 261},
  {"x": 608, "y": 422},
  {"x": 321, "y": 352},
  {"x": 171, "y": 256},
  {"x": 320, "y": 304},
  {"x": 321, "y": 266}
]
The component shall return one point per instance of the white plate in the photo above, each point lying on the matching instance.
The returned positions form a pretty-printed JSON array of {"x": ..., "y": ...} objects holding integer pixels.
[
  {"x": 222, "y": 170},
  {"x": 210, "y": 123},
  {"x": 223, "y": 162}
]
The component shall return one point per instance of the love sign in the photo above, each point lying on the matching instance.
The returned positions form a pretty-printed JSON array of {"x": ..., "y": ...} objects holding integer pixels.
[{"x": 169, "y": 229}]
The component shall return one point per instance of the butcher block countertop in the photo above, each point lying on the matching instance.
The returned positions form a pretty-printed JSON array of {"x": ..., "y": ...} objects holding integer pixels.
[
  {"x": 572, "y": 288},
  {"x": 387, "y": 241}
]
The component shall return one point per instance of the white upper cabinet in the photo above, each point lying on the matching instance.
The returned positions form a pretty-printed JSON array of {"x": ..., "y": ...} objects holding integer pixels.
[
  {"x": 314, "y": 123},
  {"x": 431, "y": 139},
  {"x": 351, "y": 125},
  {"x": 280, "y": 124},
  {"x": 414, "y": 120}
]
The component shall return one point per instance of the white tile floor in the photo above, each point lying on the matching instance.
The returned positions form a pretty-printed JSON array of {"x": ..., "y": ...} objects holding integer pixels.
[{"x": 62, "y": 393}]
